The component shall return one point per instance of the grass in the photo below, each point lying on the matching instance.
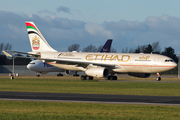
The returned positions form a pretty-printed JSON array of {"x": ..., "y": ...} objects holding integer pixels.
[
  {"x": 73, "y": 85},
  {"x": 29, "y": 110}
]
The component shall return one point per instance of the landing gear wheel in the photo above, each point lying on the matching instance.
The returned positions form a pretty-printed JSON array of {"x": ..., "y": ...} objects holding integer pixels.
[
  {"x": 108, "y": 78},
  {"x": 38, "y": 74},
  {"x": 111, "y": 77},
  {"x": 83, "y": 77},
  {"x": 86, "y": 77},
  {"x": 90, "y": 78},
  {"x": 59, "y": 74},
  {"x": 114, "y": 77},
  {"x": 158, "y": 78}
]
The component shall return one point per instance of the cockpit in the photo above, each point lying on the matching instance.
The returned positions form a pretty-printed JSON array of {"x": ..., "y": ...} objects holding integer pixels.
[
  {"x": 31, "y": 63},
  {"x": 169, "y": 60}
]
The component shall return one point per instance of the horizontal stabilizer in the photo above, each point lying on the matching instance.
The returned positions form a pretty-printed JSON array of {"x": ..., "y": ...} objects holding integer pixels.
[
  {"x": 7, "y": 54},
  {"x": 34, "y": 54}
]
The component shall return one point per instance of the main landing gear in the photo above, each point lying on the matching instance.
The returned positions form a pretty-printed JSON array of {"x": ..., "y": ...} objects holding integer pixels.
[
  {"x": 59, "y": 74},
  {"x": 85, "y": 77},
  {"x": 111, "y": 77},
  {"x": 76, "y": 75},
  {"x": 158, "y": 78}
]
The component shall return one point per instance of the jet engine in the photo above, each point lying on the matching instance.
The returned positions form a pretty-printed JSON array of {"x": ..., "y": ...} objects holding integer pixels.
[
  {"x": 142, "y": 75},
  {"x": 69, "y": 72},
  {"x": 97, "y": 72}
]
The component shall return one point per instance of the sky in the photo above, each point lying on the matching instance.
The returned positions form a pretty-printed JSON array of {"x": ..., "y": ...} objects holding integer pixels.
[{"x": 64, "y": 22}]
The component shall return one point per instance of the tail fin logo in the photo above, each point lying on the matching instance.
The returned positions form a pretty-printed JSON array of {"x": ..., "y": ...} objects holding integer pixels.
[
  {"x": 105, "y": 50},
  {"x": 35, "y": 43}
]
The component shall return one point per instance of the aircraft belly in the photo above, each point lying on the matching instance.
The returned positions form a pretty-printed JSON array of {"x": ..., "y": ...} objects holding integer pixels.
[
  {"x": 137, "y": 68},
  {"x": 56, "y": 70},
  {"x": 160, "y": 69},
  {"x": 49, "y": 69},
  {"x": 69, "y": 67},
  {"x": 146, "y": 69}
]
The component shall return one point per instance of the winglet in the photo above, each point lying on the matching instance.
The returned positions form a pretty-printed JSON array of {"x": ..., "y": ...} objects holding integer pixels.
[{"x": 7, "y": 54}]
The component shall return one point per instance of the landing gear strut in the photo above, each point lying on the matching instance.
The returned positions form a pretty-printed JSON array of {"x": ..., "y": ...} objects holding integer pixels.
[
  {"x": 76, "y": 75},
  {"x": 85, "y": 77},
  {"x": 158, "y": 78}
]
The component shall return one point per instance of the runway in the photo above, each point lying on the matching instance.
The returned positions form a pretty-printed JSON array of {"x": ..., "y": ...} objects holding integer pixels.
[{"x": 91, "y": 98}]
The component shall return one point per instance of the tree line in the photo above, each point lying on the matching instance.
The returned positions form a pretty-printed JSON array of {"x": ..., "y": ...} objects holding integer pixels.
[{"x": 153, "y": 48}]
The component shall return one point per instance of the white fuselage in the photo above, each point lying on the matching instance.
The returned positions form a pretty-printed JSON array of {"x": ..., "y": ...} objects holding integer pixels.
[
  {"x": 96, "y": 64},
  {"x": 41, "y": 67},
  {"x": 122, "y": 62}
]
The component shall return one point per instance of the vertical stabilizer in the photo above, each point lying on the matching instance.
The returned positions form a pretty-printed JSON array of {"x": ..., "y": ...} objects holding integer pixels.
[
  {"x": 37, "y": 41},
  {"x": 107, "y": 46}
]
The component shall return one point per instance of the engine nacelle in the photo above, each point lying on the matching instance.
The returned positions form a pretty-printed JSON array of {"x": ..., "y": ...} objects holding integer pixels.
[
  {"x": 142, "y": 75},
  {"x": 69, "y": 72},
  {"x": 97, "y": 72}
]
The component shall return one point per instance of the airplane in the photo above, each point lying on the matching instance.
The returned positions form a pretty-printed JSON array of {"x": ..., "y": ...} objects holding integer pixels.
[
  {"x": 43, "y": 68},
  {"x": 97, "y": 64}
]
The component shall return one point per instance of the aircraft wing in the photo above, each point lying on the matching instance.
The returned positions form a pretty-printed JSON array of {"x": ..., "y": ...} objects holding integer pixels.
[
  {"x": 32, "y": 55},
  {"x": 78, "y": 63},
  {"x": 7, "y": 54},
  {"x": 18, "y": 52}
]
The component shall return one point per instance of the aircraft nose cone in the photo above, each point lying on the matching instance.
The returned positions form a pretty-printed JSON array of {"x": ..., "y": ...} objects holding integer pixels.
[
  {"x": 28, "y": 66},
  {"x": 174, "y": 64},
  {"x": 31, "y": 67}
]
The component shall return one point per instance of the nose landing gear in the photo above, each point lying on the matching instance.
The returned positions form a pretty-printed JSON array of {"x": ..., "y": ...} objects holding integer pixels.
[
  {"x": 38, "y": 74},
  {"x": 158, "y": 78}
]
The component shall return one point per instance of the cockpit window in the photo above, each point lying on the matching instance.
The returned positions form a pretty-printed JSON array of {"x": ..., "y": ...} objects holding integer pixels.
[
  {"x": 32, "y": 63},
  {"x": 168, "y": 60}
]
